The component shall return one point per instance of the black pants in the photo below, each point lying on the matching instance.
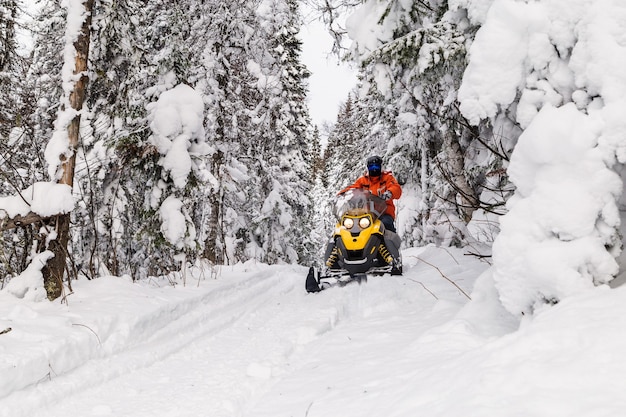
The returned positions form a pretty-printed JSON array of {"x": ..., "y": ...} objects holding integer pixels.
[{"x": 387, "y": 220}]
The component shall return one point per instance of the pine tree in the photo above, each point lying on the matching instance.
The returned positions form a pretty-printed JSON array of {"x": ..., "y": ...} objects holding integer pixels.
[
  {"x": 247, "y": 194},
  {"x": 8, "y": 65},
  {"x": 410, "y": 79},
  {"x": 226, "y": 83},
  {"x": 19, "y": 159},
  {"x": 282, "y": 123},
  {"x": 347, "y": 147},
  {"x": 105, "y": 222},
  {"x": 153, "y": 57},
  {"x": 322, "y": 217}
]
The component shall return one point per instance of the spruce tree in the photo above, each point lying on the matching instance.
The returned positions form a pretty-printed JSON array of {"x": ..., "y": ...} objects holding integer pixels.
[
  {"x": 284, "y": 207},
  {"x": 409, "y": 84},
  {"x": 20, "y": 156}
]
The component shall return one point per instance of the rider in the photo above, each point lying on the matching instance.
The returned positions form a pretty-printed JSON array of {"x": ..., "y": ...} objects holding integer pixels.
[{"x": 380, "y": 183}]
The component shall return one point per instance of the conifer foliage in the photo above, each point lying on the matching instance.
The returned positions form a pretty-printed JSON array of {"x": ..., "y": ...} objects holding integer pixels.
[
  {"x": 483, "y": 103},
  {"x": 412, "y": 57},
  {"x": 233, "y": 178}
]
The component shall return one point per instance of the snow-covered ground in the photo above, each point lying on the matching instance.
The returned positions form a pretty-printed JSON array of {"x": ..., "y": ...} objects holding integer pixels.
[{"x": 249, "y": 341}]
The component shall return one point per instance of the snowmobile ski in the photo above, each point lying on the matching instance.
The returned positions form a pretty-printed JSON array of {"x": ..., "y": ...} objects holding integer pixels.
[{"x": 317, "y": 283}]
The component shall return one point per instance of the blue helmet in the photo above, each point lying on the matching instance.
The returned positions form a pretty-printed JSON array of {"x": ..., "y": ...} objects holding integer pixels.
[{"x": 374, "y": 166}]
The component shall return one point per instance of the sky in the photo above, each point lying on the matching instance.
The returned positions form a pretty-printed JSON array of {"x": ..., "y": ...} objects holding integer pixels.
[{"x": 331, "y": 80}]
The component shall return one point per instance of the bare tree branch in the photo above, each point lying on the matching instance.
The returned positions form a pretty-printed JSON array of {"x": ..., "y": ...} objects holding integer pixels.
[
  {"x": 445, "y": 277},
  {"x": 20, "y": 221}
]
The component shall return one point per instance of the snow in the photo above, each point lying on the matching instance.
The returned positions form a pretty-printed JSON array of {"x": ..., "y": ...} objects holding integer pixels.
[
  {"x": 526, "y": 47},
  {"x": 176, "y": 120},
  {"x": 363, "y": 29},
  {"x": 43, "y": 198},
  {"x": 177, "y": 125},
  {"x": 561, "y": 59},
  {"x": 476, "y": 10},
  {"x": 173, "y": 223},
  {"x": 29, "y": 284},
  {"x": 553, "y": 240},
  {"x": 249, "y": 341},
  {"x": 497, "y": 56}
]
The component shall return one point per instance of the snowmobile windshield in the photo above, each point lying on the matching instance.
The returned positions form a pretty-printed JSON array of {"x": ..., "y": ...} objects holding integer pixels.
[{"x": 358, "y": 202}]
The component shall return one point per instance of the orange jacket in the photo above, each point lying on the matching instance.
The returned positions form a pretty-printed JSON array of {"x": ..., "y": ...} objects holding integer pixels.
[{"x": 377, "y": 186}]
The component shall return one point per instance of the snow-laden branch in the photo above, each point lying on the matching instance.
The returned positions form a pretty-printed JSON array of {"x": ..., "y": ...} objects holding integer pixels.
[{"x": 39, "y": 201}]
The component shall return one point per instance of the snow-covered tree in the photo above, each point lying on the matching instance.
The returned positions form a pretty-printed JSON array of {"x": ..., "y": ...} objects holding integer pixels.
[
  {"x": 19, "y": 159},
  {"x": 322, "y": 216},
  {"x": 194, "y": 137},
  {"x": 60, "y": 126},
  {"x": 412, "y": 57},
  {"x": 8, "y": 64},
  {"x": 103, "y": 222},
  {"x": 226, "y": 85},
  {"x": 348, "y": 146},
  {"x": 555, "y": 68},
  {"x": 282, "y": 123},
  {"x": 244, "y": 60}
]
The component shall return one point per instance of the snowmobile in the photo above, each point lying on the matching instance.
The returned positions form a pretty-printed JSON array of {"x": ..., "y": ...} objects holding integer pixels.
[{"x": 360, "y": 244}]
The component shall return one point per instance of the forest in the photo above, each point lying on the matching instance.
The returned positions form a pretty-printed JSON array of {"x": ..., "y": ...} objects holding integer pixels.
[{"x": 178, "y": 133}]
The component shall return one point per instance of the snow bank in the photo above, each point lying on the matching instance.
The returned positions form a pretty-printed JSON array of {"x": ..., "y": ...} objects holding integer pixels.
[{"x": 253, "y": 343}]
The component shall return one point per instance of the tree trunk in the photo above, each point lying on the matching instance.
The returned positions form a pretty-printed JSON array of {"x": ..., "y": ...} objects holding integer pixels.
[
  {"x": 54, "y": 270},
  {"x": 77, "y": 96},
  {"x": 456, "y": 163},
  {"x": 213, "y": 244}
]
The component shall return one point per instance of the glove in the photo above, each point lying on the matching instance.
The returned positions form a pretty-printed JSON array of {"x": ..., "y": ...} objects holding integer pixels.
[{"x": 386, "y": 195}]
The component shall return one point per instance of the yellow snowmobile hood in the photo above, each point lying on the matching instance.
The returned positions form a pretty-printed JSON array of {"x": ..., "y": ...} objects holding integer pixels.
[{"x": 356, "y": 238}]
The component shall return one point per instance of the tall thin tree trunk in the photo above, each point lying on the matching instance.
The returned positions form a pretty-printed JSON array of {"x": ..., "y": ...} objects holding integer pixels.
[
  {"x": 213, "y": 245},
  {"x": 456, "y": 164},
  {"x": 54, "y": 270},
  {"x": 425, "y": 205}
]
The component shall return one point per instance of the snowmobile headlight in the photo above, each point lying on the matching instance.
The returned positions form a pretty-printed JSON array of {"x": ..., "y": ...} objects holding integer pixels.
[
  {"x": 348, "y": 223},
  {"x": 364, "y": 222}
]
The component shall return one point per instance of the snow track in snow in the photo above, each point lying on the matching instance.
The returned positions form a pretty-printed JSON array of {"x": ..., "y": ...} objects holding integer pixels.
[
  {"x": 225, "y": 344},
  {"x": 154, "y": 337}
]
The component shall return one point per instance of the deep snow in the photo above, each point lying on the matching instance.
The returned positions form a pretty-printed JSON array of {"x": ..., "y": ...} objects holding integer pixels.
[{"x": 249, "y": 341}]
